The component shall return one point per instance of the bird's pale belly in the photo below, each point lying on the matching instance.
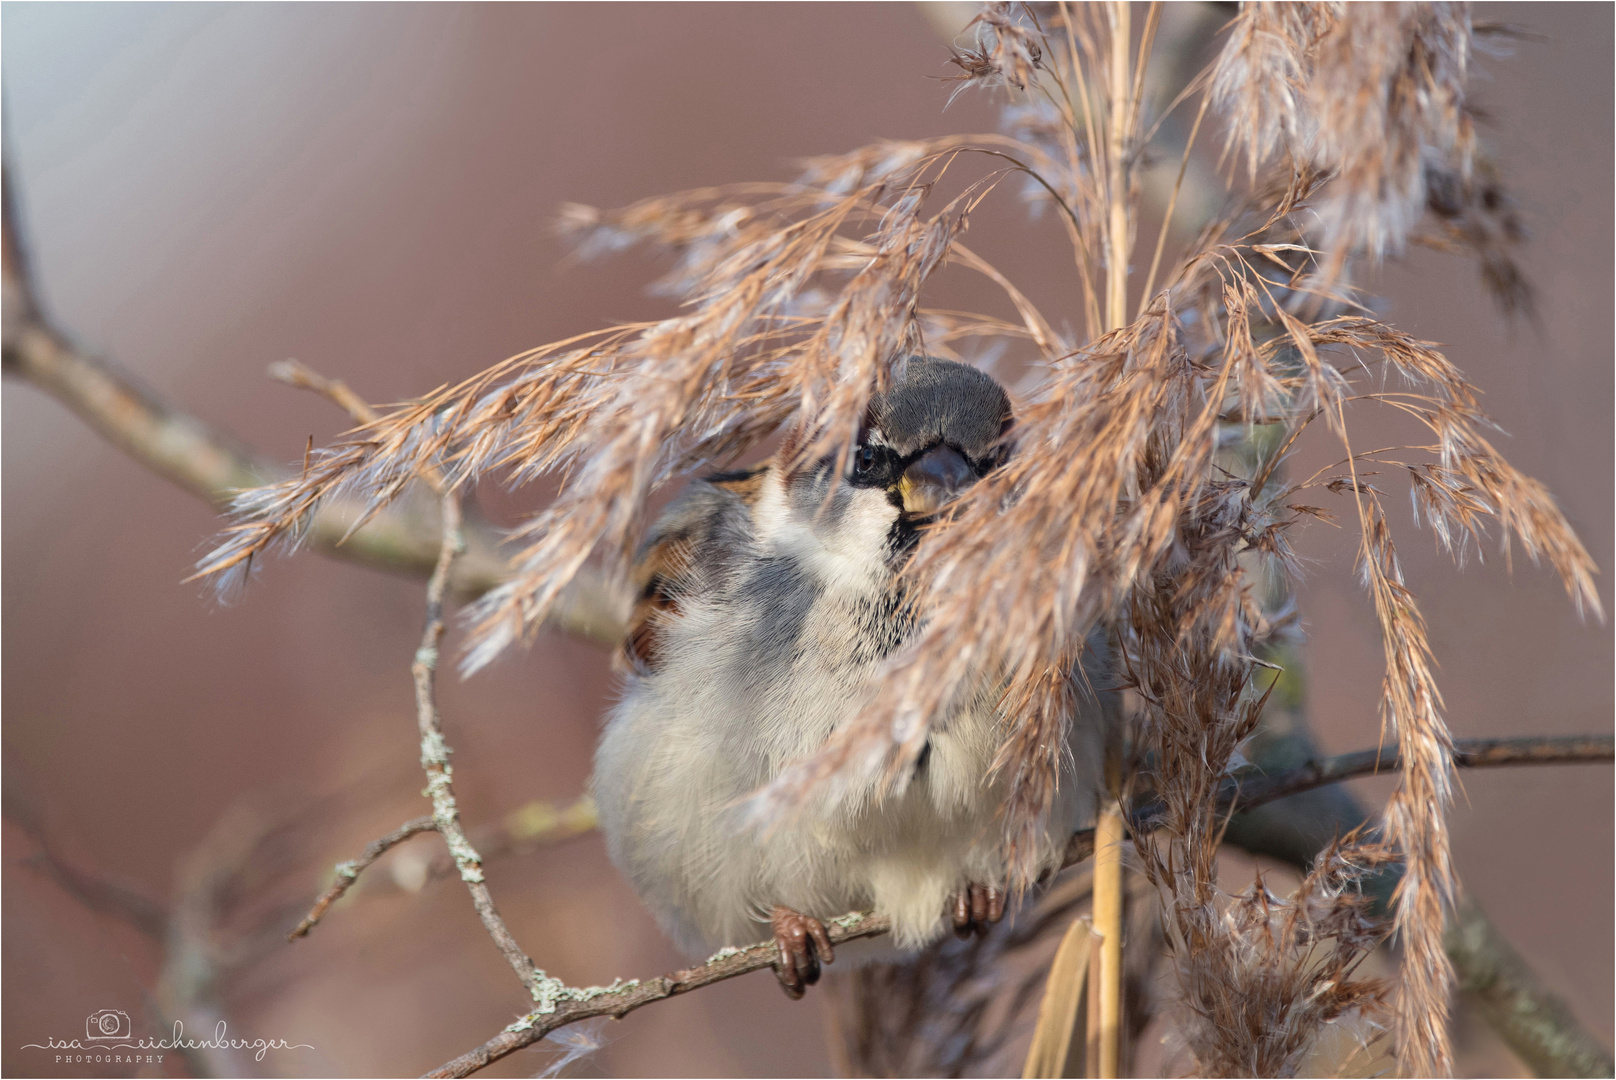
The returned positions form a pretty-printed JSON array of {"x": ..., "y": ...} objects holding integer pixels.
[{"x": 688, "y": 744}]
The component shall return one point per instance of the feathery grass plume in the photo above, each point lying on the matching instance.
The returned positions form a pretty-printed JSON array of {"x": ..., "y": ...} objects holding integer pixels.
[
  {"x": 957, "y": 1008},
  {"x": 1140, "y": 496},
  {"x": 537, "y": 397},
  {"x": 621, "y": 412},
  {"x": 1009, "y": 51},
  {"x": 1372, "y": 94},
  {"x": 1260, "y": 80},
  {"x": 1283, "y": 967},
  {"x": 1475, "y": 215}
]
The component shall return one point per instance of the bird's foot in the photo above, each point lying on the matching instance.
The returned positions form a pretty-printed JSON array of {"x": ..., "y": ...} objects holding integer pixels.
[
  {"x": 804, "y": 945},
  {"x": 976, "y": 907}
]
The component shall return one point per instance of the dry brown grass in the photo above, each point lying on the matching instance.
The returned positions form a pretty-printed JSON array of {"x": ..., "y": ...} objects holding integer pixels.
[{"x": 1118, "y": 507}]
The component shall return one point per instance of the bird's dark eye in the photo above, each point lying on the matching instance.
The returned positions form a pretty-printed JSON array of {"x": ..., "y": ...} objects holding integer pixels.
[{"x": 869, "y": 466}]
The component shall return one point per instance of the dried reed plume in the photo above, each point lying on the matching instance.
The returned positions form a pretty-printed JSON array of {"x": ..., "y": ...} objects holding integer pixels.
[
  {"x": 1371, "y": 94},
  {"x": 1119, "y": 507},
  {"x": 1278, "y": 969}
]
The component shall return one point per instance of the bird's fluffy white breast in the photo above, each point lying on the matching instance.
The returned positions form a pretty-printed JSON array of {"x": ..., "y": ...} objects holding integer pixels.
[
  {"x": 841, "y": 540},
  {"x": 755, "y": 672}
]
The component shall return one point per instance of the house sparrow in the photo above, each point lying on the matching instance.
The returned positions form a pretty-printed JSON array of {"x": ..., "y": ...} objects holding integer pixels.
[{"x": 768, "y": 600}]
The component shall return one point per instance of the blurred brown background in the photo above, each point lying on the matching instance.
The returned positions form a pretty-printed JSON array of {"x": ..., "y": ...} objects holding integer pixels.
[{"x": 370, "y": 189}]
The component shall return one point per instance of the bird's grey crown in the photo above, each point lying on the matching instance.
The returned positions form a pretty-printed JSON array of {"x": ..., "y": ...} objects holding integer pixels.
[{"x": 941, "y": 401}]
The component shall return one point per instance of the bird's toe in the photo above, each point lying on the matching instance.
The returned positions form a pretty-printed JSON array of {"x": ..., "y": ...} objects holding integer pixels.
[
  {"x": 977, "y": 907},
  {"x": 804, "y": 946}
]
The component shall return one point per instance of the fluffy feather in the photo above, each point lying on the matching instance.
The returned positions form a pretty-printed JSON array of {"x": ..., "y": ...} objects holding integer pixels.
[{"x": 769, "y": 602}]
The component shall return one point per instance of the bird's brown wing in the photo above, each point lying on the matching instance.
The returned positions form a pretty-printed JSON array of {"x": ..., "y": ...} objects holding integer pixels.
[
  {"x": 663, "y": 561},
  {"x": 688, "y": 552}
]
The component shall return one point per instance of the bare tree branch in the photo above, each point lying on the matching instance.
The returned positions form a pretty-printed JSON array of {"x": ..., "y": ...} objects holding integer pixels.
[
  {"x": 617, "y": 1000},
  {"x": 435, "y": 759},
  {"x": 228, "y": 869},
  {"x": 98, "y": 892},
  {"x": 1251, "y": 788},
  {"x": 293, "y": 373},
  {"x": 575, "y": 1004},
  {"x": 532, "y": 825},
  {"x": 348, "y": 872},
  {"x": 1292, "y": 828},
  {"x": 1467, "y": 753},
  {"x": 214, "y": 466},
  {"x": 1537, "y": 1024}
]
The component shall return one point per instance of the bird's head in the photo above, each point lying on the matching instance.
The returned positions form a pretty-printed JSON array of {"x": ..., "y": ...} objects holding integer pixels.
[{"x": 936, "y": 430}]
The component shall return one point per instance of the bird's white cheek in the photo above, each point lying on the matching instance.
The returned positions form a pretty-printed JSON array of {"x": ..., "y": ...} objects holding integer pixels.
[
  {"x": 848, "y": 550},
  {"x": 842, "y": 540}
]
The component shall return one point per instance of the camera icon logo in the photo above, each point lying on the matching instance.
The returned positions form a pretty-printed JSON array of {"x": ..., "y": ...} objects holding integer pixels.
[{"x": 104, "y": 1025}]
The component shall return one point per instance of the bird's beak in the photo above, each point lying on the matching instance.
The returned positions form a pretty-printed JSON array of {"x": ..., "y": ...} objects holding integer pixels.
[{"x": 928, "y": 484}]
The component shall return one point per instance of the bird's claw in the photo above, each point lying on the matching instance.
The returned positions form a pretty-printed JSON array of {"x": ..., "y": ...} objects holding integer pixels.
[
  {"x": 976, "y": 907},
  {"x": 803, "y": 945}
]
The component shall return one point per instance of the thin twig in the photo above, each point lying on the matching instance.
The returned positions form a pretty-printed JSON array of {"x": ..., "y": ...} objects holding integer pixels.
[
  {"x": 214, "y": 466},
  {"x": 360, "y": 411},
  {"x": 1249, "y": 789},
  {"x": 1538, "y": 1025},
  {"x": 531, "y": 825},
  {"x": 617, "y": 1000},
  {"x": 1467, "y": 753},
  {"x": 348, "y": 872},
  {"x": 293, "y": 373},
  {"x": 570, "y": 1004},
  {"x": 435, "y": 759}
]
